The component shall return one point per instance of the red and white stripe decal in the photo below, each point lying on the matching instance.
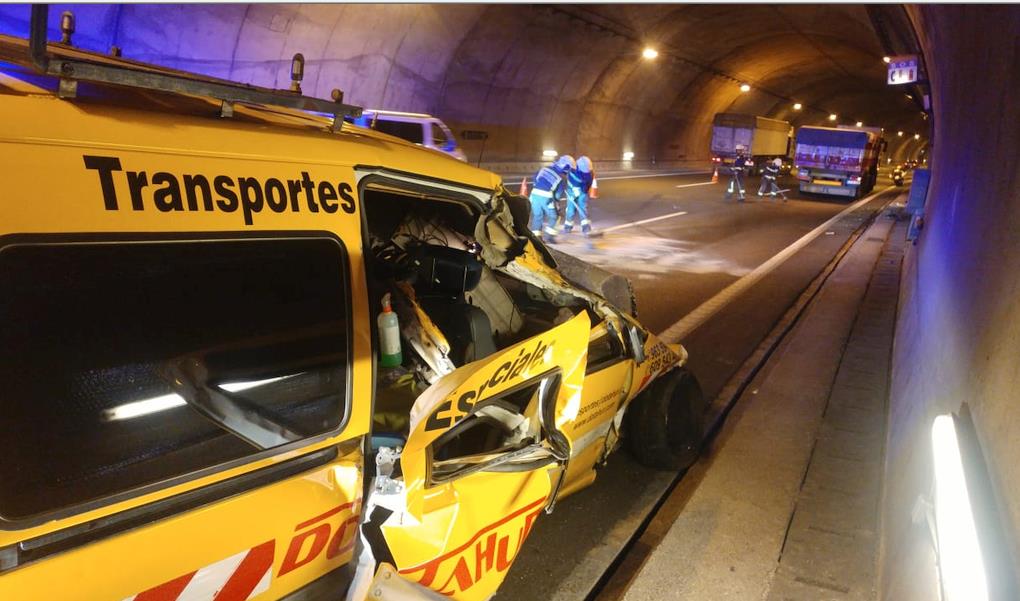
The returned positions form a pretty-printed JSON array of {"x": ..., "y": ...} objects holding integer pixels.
[{"x": 236, "y": 578}]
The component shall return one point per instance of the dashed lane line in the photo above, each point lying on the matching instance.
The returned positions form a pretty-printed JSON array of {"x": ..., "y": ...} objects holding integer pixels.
[{"x": 643, "y": 221}]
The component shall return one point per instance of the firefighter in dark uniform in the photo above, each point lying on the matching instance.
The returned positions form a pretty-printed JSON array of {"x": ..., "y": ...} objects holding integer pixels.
[
  {"x": 768, "y": 179},
  {"x": 737, "y": 170}
]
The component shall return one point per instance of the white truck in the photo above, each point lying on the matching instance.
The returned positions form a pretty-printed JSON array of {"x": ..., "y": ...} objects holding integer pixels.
[{"x": 765, "y": 139}]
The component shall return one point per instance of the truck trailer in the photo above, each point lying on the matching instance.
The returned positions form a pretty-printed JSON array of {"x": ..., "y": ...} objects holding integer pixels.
[
  {"x": 839, "y": 161},
  {"x": 765, "y": 139}
]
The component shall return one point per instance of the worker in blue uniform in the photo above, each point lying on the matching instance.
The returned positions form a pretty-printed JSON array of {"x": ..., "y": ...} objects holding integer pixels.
[
  {"x": 550, "y": 184},
  {"x": 578, "y": 184},
  {"x": 737, "y": 170}
]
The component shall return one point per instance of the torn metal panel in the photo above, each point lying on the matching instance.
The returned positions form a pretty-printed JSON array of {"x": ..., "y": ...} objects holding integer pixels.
[{"x": 422, "y": 334}]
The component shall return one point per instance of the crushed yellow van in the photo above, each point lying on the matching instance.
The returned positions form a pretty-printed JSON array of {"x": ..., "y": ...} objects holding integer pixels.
[{"x": 193, "y": 406}]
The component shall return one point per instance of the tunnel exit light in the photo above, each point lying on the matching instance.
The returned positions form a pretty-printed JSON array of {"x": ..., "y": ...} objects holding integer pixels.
[
  {"x": 797, "y": 106},
  {"x": 650, "y": 53},
  {"x": 745, "y": 88},
  {"x": 961, "y": 565}
]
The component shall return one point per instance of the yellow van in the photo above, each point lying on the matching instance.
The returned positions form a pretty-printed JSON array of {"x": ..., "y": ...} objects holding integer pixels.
[{"x": 190, "y": 273}]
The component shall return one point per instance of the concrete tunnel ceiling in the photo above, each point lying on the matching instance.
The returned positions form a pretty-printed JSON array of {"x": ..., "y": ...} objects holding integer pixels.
[{"x": 568, "y": 77}]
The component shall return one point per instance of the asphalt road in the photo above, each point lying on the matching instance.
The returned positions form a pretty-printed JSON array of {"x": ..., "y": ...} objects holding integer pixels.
[{"x": 681, "y": 242}]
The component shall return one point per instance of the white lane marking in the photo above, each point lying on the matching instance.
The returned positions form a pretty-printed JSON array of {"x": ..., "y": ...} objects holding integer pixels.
[
  {"x": 633, "y": 223},
  {"x": 707, "y": 309},
  {"x": 653, "y": 175},
  {"x": 697, "y": 184}
]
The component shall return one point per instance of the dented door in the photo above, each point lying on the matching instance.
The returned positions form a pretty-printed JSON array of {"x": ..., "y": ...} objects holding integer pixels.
[{"x": 482, "y": 460}]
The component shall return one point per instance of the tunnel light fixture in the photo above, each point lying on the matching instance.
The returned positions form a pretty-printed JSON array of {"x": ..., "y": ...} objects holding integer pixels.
[
  {"x": 899, "y": 133},
  {"x": 887, "y": 59},
  {"x": 917, "y": 136},
  {"x": 797, "y": 106},
  {"x": 745, "y": 87},
  {"x": 649, "y": 53},
  {"x": 833, "y": 117},
  {"x": 860, "y": 124},
  {"x": 628, "y": 156},
  {"x": 961, "y": 565},
  {"x": 549, "y": 153}
]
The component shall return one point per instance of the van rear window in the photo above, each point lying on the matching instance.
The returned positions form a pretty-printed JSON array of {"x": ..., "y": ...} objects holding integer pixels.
[{"x": 127, "y": 364}]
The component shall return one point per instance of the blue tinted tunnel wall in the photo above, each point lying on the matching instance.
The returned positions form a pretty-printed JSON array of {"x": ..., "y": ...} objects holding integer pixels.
[{"x": 569, "y": 78}]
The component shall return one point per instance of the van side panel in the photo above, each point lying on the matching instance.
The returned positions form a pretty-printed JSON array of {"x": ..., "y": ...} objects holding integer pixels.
[{"x": 74, "y": 170}]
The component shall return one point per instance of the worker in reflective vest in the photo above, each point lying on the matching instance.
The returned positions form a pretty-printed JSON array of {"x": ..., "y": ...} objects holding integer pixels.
[
  {"x": 578, "y": 184},
  {"x": 549, "y": 185}
]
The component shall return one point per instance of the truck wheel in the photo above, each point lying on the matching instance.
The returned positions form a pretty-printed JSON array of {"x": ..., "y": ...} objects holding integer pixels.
[{"x": 664, "y": 424}]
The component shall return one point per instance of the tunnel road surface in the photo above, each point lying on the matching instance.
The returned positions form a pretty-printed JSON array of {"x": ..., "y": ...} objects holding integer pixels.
[{"x": 680, "y": 242}]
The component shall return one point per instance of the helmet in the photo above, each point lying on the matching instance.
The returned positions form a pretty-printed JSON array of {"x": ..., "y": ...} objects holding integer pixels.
[
  {"x": 564, "y": 163},
  {"x": 584, "y": 164},
  {"x": 778, "y": 162}
]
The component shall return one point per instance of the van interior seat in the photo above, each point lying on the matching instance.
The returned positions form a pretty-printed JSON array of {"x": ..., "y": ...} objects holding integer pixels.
[{"x": 444, "y": 275}]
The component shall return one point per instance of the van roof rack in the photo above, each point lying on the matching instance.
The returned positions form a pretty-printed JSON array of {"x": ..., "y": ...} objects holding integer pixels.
[{"x": 72, "y": 65}]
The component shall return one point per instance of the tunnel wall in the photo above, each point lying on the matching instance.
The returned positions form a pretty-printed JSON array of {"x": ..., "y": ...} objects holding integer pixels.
[
  {"x": 533, "y": 77},
  {"x": 958, "y": 332}
]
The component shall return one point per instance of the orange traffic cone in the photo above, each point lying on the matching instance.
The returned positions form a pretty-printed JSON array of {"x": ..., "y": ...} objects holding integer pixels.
[
  {"x": 593, "y": 192},
  {"x": 524, "y": 187},
  {"x": 715, "y": 176}
]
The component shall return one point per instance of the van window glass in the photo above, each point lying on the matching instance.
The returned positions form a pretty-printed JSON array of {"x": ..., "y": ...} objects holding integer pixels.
[
  {"x": 440, "y": 139},
  {"x": 407, "y": 130},
  {"x": 127, "y": 364}
]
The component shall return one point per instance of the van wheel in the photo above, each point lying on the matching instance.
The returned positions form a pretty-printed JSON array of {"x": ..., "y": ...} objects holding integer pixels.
[{"x": 664, "y": 424}]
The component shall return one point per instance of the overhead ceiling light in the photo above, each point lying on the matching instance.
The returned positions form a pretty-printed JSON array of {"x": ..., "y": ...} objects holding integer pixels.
[
  {"x": 899, "y": 133},
  {"x": 650, "y": 53},
  {"x": 797, "y": 106},
  {"x": 548, "y": 153},
  {"x": 745, "y": 87},
  {"x": 886, "y": 59},
  {"x": 832, "y": 117},
  {"x": 627, "y": 156},
  {"x": 917, "y": 136},
  {"x": 860, "y": 124}
]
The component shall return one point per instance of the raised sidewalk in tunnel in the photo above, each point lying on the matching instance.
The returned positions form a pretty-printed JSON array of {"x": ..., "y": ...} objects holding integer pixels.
[{"x": 785, "y": 505}]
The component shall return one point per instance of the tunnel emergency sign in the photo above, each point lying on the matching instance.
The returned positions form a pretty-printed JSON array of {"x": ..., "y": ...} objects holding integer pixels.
[{"x": 903, "y": 69}]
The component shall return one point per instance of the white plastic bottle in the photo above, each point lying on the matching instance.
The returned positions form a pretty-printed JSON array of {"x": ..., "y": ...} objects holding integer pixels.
[{"x": 389, "y": 336}]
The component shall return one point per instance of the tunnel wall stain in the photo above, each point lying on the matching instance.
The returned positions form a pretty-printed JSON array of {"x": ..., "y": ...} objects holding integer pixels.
[{"x": 958, "y": 332}]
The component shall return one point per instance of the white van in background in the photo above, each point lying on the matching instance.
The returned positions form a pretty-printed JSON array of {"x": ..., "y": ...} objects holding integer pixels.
[{"x": 419, "y": 128}]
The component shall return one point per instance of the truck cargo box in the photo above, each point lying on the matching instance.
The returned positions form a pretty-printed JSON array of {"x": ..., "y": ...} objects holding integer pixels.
[
  {"x": 762, "y": 136},
  {"x": 831, "y": 149}
]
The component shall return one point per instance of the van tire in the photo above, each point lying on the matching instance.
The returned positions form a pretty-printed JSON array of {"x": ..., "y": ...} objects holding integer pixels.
[{"x": 665, "y": 423}]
